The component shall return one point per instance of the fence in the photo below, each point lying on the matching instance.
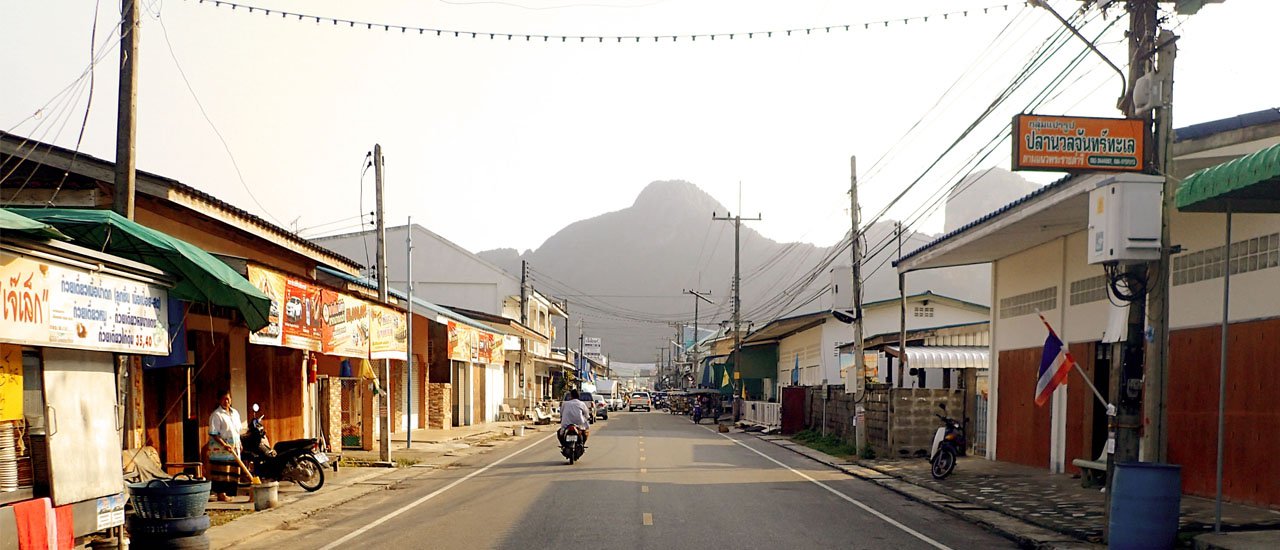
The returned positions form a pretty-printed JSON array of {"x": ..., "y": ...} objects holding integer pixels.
[{"x": 762, "y": 413}]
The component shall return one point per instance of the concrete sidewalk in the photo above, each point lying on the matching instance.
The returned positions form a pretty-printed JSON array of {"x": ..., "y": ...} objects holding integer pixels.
[
  {"x": 1036, "y": 508},
  {"x": 431, "y": 450}
]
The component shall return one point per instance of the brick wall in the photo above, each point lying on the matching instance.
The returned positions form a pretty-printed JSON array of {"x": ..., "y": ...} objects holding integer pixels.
[{"x": 439, "y": 409}]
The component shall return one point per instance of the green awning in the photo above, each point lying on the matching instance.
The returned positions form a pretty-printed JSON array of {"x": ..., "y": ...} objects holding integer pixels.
[
  {"x": 200, "y": 277},
  {"x": 10, "y": 221},
  {"x": 1251, "y": 184}
]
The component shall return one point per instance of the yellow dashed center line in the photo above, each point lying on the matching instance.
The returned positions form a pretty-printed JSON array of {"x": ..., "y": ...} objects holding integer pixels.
[
  {"x": 642, "y": 459},
  {"x": 644, "y": 488},
  {"x": 647, "y": 518},
  {"x": 644, "y": 470}
]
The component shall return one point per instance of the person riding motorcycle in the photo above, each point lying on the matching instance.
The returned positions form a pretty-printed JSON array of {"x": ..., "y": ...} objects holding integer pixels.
[{"x": 574, "y": 412}]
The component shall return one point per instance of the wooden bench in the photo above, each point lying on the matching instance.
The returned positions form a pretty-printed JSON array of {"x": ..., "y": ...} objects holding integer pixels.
[{"x": 1093, "y": 473}]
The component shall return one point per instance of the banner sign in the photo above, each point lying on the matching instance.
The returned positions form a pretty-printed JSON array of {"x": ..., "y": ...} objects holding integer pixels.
[
  {"x": 491, "y": 349},
  {"x": 346, "y": 328},
  {"x": 47, "y": 304},
  {"x": 592, "y": 348},
  {"x": 10, "y": 382},
  {"x": 1067, "y": 144},
  {"x": 389, "y": 334},
  {"x": 272, "y": 284},
  {"x": 303, "y": 320},
  {"x": 463, "y": 341}
]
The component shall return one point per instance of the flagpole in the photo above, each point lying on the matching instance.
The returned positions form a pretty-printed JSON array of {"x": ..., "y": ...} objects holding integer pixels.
[{"x": 1077, "y": 366}]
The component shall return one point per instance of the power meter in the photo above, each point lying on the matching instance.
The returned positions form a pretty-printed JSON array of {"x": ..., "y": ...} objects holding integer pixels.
[{"x": 1124, "y": 219}]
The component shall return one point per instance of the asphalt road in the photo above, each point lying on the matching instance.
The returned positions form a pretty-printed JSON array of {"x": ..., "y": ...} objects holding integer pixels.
[{"x": 648, "y": 480}]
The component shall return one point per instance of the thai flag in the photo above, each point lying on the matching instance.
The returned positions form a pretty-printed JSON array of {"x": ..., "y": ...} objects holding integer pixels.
[{"x": 1055, "y": 364}]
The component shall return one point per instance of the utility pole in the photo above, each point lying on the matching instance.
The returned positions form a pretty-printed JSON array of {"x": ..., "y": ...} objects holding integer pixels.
[
  {"x": 902, "y": 320},
  {"x": 127, "y": 109},
  {"x": 524, "y": 320},
  {"x": 408, "y": 365},
  {"x": 737, "y": 292},
  {"x": 697, "y": 297},
  {"x": 384, "y": 431},
  {"x": 859, "y": 362}
]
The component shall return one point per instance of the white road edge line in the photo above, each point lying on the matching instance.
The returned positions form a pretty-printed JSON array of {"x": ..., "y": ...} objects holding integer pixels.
[
  {"x": 848, "y": 498},
  {"x": 434, "y": 494}
]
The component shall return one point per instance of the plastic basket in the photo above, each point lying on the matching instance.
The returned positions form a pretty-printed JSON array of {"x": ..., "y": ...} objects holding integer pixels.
[{"x": 170, "y": 498}]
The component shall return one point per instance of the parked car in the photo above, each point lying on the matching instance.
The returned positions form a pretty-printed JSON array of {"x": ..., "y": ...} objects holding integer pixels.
[
  {"x": 602, "y": 407},
  {"x": 590, "y": 400},
  {"x": 640, "y": 400}
]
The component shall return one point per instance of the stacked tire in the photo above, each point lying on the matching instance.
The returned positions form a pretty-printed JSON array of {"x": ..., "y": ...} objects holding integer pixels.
[{"x": 169, "y": 513}]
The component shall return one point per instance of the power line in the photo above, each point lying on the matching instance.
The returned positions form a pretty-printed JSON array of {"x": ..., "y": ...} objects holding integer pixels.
[{"x": 613, "y": 39}]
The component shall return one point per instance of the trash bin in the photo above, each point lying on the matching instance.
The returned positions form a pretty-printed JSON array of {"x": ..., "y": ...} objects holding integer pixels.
[
  {"x": 1145, "y": 502},
  {"x": 266, "y": 495}
]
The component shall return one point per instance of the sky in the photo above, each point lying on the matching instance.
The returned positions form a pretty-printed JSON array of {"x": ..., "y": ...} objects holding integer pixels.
[{"x": 502, "y": 142}]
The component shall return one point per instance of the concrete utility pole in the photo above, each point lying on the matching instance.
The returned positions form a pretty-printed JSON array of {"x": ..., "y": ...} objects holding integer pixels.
[
  {"x": 408, "y": 365},
  {"x": 127, "y": 110},
  {"x": 697, "y": 297},
  {"x": 1156, "y": 436},
  {"x": 859, "y": 362},
  {"x": 524, "y": 320},
  {"x": 384, "y": 431},
  {"x": 737, "y": 291},
  {"x": 902, "y": 321}
]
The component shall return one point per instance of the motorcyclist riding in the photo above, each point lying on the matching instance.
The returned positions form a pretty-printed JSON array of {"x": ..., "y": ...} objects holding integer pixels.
[{"x": 574, "y": 412}]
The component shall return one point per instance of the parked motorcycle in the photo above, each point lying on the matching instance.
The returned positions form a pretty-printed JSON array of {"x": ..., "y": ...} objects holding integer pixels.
[
  {"x": 571, "y": 446},
  {"x": 948, "y": 445},
  {"x": 296, "y": 460}
]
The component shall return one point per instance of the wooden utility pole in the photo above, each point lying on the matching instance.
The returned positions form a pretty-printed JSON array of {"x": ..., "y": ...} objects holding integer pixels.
[
  {"x": 902, "y": 322},
  {"x": 859, "y": 362},
  {"x": 384, "y": 402},
  {"x": 127, "y": 109},
  {"x": 737, "y": 292}
]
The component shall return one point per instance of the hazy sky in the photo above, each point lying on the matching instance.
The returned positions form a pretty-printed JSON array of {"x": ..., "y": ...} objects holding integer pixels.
[{"x": 500, "y": 143}]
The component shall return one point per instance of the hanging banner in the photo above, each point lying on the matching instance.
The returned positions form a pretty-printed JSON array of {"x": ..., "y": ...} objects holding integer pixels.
[
  {"x": 303, "y": 320},
  {"x": 389, "y": 332},
  {"x": 463, "y": 341},
  {"x": 46, "y": 304},
  {"x": 1067, "y": 143},
  {"x": 272, "y": 284},
  {"x": 346, "y": 327},
  {"x": 491, "y": 348}
]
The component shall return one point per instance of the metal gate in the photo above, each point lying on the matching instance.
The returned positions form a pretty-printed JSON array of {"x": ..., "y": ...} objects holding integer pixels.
[{"x": 980, "y": 425}]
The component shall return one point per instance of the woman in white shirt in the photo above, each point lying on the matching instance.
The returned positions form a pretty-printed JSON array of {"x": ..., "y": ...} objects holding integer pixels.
[{"x": 224, "y": 447}]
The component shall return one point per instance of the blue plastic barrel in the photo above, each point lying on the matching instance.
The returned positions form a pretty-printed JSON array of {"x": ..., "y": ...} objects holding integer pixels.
[{"x": 1145, "y": 500}]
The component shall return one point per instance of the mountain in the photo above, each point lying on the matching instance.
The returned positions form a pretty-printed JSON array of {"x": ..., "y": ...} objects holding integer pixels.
[{"x": 624, "y": 272}]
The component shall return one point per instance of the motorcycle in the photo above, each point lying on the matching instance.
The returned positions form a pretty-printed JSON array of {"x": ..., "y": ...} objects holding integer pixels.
[
  {"x": 948, "y": 445},
  {"x": 296, "y": 460},
  {"x": 697, "y": 413},
  {"x": 571, "y": 444}
]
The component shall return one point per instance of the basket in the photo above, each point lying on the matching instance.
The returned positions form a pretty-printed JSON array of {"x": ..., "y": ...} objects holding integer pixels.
[{"x": 170, "y": 498}]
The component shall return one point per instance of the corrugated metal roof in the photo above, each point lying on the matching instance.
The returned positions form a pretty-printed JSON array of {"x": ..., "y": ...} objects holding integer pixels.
[
  {"x": 996, "y": 213},
  {"x": 179, "y": 187},
  {"x": 946, "y": 357},
  {"x": 416, "y": 300},
  {"x": 1205, "y": 129}
]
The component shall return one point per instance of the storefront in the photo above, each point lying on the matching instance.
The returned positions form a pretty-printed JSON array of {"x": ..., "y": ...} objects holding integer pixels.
[{"x": 69, "y": 318}]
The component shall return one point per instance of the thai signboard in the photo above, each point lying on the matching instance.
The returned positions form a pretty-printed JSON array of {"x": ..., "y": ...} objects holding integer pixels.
[
  {"x": 272, "y": 284},
  {"x": 468, "y": 344},
  {"x": 1069, "y": 144},
  {"x": 389, "y": 334},
  {"x": 592, "y": 348},
  {"x": 346, "y": 331},
  {"x": 48, "y": 304},
  {"x": 303, "y": 320}
]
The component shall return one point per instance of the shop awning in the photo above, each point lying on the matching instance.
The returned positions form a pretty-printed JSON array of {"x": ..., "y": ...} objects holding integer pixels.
[
  {"x": 945, "y": 357},
  {"x": 1251, "y": 184},
  {"x": 200, "y": 277},
  {"x": 10, "y": 221}
]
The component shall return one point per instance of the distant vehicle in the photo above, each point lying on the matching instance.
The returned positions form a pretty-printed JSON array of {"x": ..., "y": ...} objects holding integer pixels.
[
  {"x": 602, "y": 407},
  {"x": 640, "y": 400},
  {"x": 590, "y": 399}
]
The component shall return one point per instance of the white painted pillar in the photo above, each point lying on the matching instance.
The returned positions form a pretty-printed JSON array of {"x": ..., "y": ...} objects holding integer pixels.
[{"x": 993, "y": 369}]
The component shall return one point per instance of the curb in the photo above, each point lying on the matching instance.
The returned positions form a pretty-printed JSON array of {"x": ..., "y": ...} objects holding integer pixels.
[
  {"x": 1025, "y": 534},
  {"x": 246, "y": 527}
]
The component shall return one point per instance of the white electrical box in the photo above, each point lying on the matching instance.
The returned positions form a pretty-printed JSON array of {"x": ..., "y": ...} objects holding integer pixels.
[{"x": 1124, "y": 219}]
